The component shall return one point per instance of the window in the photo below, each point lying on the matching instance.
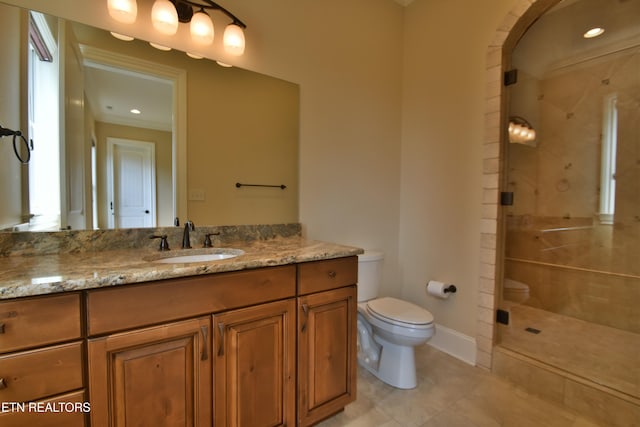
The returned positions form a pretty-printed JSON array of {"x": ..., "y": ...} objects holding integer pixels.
[
  {"x": 43, "y": 90},
  {"x": 608, "y": 167}
]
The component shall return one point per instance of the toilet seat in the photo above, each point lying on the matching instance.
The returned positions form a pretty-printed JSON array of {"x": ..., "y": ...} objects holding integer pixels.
[
  {"x": 515, "y": 286},
  {"x": 400, "y": 313}
]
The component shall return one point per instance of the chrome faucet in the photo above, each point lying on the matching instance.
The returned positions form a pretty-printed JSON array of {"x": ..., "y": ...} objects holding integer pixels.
[{"x": 186, "y": 241}]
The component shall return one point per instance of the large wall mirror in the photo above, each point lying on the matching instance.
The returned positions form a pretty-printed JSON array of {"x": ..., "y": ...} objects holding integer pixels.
[{"x": 127, "y": 135}]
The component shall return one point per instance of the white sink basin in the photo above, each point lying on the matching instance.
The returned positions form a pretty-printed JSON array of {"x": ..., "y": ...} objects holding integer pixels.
[{"x": 207, "y": 257}]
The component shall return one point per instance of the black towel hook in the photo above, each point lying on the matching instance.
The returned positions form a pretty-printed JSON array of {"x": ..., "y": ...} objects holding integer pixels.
[{"x": 17, "y": 134}]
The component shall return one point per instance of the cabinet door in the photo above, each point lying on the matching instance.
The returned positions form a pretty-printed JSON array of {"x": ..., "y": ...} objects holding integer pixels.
[
  {"x": 254, "y": 366},
  {"x": 158, "y": 376},
  {"x": 326, "y": 353}
]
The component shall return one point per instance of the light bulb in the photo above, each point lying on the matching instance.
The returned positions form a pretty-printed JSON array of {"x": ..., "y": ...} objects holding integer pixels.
[
  {"x": 202, "y": 28},
  {"x": 234, "y": 40},
  {"x": 164, "y": 17},
  {"x": 124, "y": 11}
]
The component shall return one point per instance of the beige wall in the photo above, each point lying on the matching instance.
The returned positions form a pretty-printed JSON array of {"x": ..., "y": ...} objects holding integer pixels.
[
  {"x": 442, "y": 138},
  {"x": 392, "y": 124},
  {"x": 10, "y": 167}
]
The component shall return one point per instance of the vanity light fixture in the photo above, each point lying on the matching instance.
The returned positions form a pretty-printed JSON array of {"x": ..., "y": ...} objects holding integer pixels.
[
  {"x": 521, "y": 131},
  {"x": 593, "y": 32},
  {"x": 135, "y": 111},
  {"x": 166, "y": 15}
]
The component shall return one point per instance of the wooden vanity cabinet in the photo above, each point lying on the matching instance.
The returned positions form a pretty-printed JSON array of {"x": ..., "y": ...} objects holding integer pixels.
[
  {"x": 41, "y": 361},
  {"x": 326, "y": 338},
  {"x": 254, "y": 365},
  {"x": 272, "y": 346}
]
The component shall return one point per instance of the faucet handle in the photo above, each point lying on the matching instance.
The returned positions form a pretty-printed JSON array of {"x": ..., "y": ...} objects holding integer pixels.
[
  {"x": 164, "y": 245},
  {"x": 207, "y": 239}
]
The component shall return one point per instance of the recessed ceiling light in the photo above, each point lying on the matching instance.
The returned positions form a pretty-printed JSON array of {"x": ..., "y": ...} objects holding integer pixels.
[
  {"x": 594, "y": 32},
  {"x": 135, "y": 111},
  {"x": 224, "y": 64},
  {"x": 194, "y": 55}
]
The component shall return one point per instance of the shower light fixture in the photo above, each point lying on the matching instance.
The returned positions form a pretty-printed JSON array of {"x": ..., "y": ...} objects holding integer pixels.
[
  {"x": 167, "y": 14},
  {"x": 521, "y": 131}
]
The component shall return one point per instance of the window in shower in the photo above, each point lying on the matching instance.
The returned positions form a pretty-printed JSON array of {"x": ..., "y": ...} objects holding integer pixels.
[{"x": 608, "y": 159}]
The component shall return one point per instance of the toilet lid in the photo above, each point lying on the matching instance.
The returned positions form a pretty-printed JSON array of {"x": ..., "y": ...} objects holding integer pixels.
[{"x": 395, "y": 310}]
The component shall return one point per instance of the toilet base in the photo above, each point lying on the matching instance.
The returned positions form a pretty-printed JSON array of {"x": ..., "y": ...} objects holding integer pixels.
[{"x": 397, "y": 366}]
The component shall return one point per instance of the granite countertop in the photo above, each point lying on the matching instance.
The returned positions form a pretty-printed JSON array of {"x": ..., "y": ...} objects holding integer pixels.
[{"x": 53, "y": 273}]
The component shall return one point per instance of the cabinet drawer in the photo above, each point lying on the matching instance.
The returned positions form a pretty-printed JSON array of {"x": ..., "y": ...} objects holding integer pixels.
[
  {"x": 34, "y": 322},
  {"x": 318, "y": 276},
  {"x": 34, "y": 374},
  {"x": 117, "y": 309},
  {"x": 71, "y": 409}
]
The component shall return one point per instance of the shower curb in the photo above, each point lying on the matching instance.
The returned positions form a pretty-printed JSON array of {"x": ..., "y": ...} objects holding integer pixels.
[{"x": 581, "y": 395}]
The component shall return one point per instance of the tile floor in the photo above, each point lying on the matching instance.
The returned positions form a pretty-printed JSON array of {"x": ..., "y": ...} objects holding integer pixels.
[{"x": 450, "y": 393}]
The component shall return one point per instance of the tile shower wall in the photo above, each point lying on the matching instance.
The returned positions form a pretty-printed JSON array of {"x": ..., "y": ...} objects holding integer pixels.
[{"x": 555, "y": 243}]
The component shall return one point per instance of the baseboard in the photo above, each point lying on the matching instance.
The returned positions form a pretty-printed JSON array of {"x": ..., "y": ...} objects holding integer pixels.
[{"x": 454, "y": 343}]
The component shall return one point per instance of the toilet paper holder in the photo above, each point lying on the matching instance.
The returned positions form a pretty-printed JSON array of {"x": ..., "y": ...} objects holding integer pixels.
[{"x": 450, "y": 289}]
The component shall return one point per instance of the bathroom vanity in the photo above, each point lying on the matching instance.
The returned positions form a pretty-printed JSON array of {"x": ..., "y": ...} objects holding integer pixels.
[{"x": 266, "y": 338}]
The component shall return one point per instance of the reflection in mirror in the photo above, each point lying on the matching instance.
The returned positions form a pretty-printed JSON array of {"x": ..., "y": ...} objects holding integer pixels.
[{"x": 240, "y": 127}]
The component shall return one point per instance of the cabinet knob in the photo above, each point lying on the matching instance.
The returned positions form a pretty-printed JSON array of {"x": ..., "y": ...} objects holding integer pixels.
[
  {"x": 1, "y": 328},
  {"x": 332, "y": 274},
  {"x": 3, "y": 384}
]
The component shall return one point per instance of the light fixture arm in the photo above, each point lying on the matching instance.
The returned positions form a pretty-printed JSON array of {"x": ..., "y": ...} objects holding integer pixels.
[{"x": 184, "y": 14}]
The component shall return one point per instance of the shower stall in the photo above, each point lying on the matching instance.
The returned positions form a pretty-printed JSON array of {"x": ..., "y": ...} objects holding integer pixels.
[{"x": 571, "y": 180}]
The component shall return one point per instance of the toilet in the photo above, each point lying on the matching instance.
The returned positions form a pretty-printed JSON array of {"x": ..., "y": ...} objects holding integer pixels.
[
  {"x": 388, "y": 328},
  {"x": 515, "y": 291}
]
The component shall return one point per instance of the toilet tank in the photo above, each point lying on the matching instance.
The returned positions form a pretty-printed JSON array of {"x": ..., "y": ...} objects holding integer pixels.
[{"x": 369, "y": 274}]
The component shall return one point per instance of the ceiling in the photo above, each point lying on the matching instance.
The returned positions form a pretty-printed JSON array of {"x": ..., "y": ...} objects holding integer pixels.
[
  {"x": 112, "y": 93},
  {"x": 556, "y": 39}
]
